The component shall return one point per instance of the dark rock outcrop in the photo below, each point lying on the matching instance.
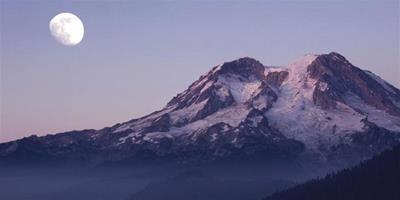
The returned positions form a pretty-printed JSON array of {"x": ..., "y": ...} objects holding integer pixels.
[{"x": 342, "y": 78}]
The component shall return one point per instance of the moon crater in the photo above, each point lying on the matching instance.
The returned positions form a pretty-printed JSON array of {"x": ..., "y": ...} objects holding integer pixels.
[{"x": 67, "y": 29}]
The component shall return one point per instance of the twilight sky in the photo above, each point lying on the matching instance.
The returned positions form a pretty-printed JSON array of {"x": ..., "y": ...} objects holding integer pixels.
[{"x": 135, "y": 56}]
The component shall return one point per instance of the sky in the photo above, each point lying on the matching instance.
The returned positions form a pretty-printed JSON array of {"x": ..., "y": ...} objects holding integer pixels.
[{"x": 136, "y": 55}]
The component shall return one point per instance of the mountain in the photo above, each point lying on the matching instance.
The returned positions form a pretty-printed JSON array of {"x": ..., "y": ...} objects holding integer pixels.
[
  {"x": 318, "y": 109},
  {"x": 378, "y": 178}
]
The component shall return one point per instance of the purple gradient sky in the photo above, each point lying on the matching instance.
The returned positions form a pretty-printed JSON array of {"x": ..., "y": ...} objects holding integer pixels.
[{"x": 135, "y": 56}]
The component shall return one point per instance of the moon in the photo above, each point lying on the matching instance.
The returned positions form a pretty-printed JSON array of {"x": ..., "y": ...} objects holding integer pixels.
[{"x": 67, "y": 29}]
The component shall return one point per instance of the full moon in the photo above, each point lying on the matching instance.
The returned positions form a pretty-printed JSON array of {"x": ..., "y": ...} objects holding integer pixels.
[{"x": 67, "y": 29}]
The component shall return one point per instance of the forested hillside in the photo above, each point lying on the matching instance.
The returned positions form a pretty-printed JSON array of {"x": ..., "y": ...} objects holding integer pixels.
[{"x": 375, "y": 179}]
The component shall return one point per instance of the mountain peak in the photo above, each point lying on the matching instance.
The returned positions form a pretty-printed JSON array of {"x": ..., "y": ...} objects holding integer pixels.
[
  {"x": 344, "y": 81},
  {"x": 336, "y": 56},
  {"x": 330, "y": 62},
  {"x": 308, "y": 58},
  {"x": 245, "y": 66}
]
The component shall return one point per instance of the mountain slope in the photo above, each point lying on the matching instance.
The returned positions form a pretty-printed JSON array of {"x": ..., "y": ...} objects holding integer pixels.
[
  {"x": 378, "y": 178},
  {"x": 315, "y": 108}
]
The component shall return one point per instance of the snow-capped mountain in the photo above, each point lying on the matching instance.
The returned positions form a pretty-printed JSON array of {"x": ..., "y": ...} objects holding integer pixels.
[{"x": 320, "y": 106}]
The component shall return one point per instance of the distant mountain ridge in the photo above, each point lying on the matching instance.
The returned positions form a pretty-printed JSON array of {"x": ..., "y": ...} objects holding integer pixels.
[
  {"x": 319, "y": 108},
  {"x": 196, "y": 185}
]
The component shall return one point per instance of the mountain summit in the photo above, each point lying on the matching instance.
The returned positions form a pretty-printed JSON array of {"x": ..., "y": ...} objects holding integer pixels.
[{"x": 320, "y": 107}]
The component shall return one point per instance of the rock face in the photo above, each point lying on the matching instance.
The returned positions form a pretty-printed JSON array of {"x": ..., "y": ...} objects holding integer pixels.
[
  {"x": 320, "y": 107},
  {"x": 343, "y": 78}
]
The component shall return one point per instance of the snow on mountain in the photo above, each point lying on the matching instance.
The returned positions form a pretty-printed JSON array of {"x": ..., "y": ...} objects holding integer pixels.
[
  {"x": 297, "y": 117},
  {"x": 299, "y": 105},
  {"x": 221, "y": 93},
  {"x": 294, "y": 113},
  {"x": 320, "y": 104}
]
